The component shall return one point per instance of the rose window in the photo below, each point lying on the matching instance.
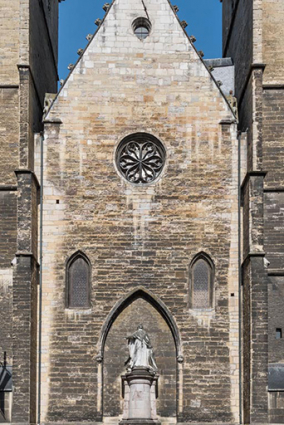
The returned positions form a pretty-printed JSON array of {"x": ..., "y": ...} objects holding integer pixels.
[{"x": 140, "y": 158}]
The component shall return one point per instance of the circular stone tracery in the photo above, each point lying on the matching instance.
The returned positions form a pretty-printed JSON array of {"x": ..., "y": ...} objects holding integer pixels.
[{"x": 140, "y": 158}]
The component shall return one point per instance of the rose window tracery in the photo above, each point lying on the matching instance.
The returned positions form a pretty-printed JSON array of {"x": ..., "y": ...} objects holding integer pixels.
[{"x": 140, "y": 158}]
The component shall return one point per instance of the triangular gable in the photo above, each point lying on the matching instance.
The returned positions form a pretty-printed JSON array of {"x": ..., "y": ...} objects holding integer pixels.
[{"x": 154, "y": 12}]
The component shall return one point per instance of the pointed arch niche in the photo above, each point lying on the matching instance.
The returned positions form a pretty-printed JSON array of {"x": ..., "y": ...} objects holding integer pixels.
[{"x": 140, "y": 306}]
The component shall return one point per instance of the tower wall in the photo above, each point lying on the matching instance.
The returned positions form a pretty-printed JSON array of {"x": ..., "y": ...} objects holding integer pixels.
[
  {"x": 9, "y": 42},
  {"x": 237, "y": 37},
  {"x": 273, "y": 49},
  {"x": 253, "y": 37},
  {"x": 273, "y": 54},
  {"x": 28, "y": 43}
]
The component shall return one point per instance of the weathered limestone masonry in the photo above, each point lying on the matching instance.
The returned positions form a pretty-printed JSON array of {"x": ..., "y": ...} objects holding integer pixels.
[
  {"x": 273, "y": 134},
  {"x": 28, "y": 44},
  {"x": 140, "y": 239},
  {"x": 253, "y": 37}
]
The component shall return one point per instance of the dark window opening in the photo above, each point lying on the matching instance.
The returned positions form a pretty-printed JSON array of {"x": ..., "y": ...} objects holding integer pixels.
[
  {"x": 141, "y": 32},
  {"x": 78, "y": 275},
  {"x": 201, "y": 282},
  {"x": 141, "y": 28},
  {"x": 278, "y": 333}
]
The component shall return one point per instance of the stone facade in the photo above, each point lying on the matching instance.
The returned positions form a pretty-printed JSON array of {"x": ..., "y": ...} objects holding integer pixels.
[
  {"x": 139, "y": 241},
  {"x": 140, "y": 236},
  {"x": 28, "y": 44}
]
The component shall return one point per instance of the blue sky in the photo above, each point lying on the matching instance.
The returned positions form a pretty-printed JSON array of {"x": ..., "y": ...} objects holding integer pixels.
[{"x": 76, "y": 20}]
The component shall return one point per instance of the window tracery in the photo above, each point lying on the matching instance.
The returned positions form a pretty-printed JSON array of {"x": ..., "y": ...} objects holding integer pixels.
[{"x": 140, "y": 158}]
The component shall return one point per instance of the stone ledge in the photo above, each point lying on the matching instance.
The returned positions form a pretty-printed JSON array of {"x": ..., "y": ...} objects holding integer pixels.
[
  {"x": 57, "y": 423},
  {"x": 8, "y": 188},
  {"x": 219, "y": 62},
  {"x": 155, "y": 422},
  {"x": 139, "y": 422},
  {"x": 69, "y": 423},
  {"x": 178, "y": 423}
]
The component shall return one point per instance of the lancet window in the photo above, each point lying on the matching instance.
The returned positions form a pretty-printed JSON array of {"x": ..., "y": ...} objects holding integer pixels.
[
  {"x": 78, "y": 281},
  {"x": 201, "y": 282}
]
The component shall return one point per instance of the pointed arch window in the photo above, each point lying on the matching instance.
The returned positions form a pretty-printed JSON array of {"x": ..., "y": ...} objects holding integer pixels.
[
  {"x": 78, "y": 281},
  {"x": 201, "y": 282}
]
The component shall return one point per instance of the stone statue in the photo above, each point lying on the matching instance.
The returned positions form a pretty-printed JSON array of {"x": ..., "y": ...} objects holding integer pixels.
[
  {"x": 233, "y": 101},
  {"x": 140, "y": 350},
  {"x": 49, "y": 98}
]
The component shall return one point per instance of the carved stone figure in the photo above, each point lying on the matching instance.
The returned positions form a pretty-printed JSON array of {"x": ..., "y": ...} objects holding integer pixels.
[
  {"x": 233, "y": 101},
  {"x": 49, "y": 98},
  {"x": 140, "y": 350}
]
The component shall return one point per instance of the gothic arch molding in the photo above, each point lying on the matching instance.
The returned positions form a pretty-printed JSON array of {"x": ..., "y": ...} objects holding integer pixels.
[
  {"x": 76, "y": 254},
  {"x": 140, "y": 292},
  {"x": 202, "y": 255}
]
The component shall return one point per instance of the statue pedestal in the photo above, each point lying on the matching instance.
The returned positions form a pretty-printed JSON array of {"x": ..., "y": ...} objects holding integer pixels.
[{"x": 140, "y": 391}]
